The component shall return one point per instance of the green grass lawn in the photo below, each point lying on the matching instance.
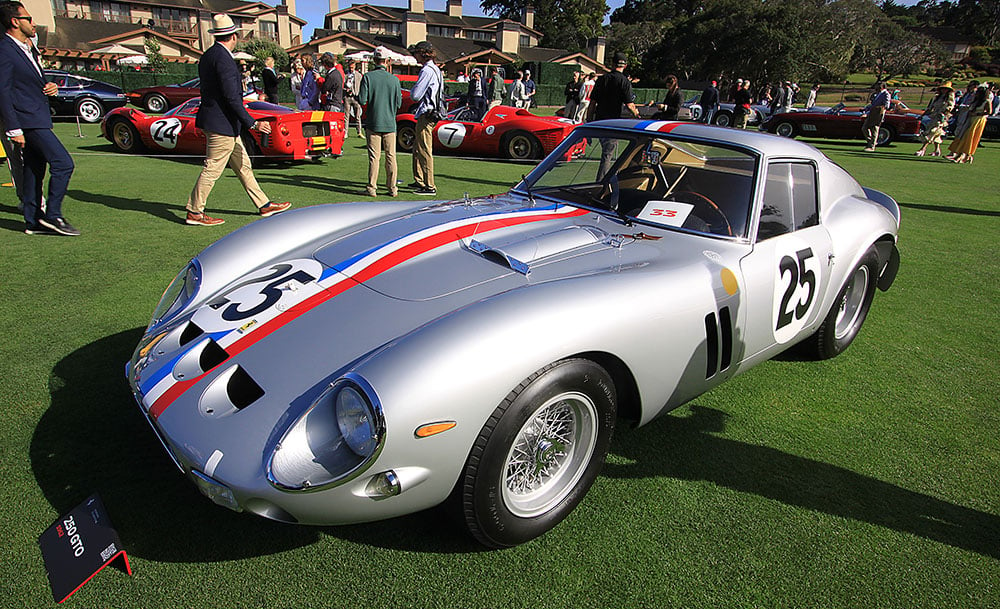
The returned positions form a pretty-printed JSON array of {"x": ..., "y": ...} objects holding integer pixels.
[{"x": 871, "y": 480}]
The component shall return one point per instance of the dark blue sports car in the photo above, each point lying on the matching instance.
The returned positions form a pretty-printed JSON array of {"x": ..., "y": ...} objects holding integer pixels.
[{"x": 79, "y": 96}]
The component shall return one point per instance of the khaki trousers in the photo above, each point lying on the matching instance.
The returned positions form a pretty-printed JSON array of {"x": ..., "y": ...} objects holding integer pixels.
[
  {"x": 871, "y": 125},
  {"x": 220, "y": 151},
  {"x": 423, "y": 153},
  {"x": 376, "y": 143}
]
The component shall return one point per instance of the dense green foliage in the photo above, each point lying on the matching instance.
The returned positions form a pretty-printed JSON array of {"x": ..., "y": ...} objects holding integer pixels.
[
  {"x": 870, "y": 480},
  {"x": 564, "y": 24}
]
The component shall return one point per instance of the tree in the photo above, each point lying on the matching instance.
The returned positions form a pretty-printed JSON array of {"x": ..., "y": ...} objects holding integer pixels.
[
  {"x": 156, "y": 62},
  {"x": 635, "y": 40},
  {"x": 640, "y": 11},
  {"x": 564, "y": 24},
  {"x": 260, "y": 49},
  {"x": 893, "y": 50}
]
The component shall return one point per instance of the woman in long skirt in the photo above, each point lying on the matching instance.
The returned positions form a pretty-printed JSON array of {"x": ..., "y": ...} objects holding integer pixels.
[{"x": 964, "y": 147}]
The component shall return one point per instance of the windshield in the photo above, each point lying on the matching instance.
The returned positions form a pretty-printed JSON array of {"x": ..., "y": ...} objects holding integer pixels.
[{"x": 654, "y": 179}]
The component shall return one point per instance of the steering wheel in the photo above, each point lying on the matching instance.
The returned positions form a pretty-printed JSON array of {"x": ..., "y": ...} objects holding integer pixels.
[{"x": 701, "y": 201}]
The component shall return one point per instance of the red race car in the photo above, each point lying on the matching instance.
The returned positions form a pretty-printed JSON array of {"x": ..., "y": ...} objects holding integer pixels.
[
  {"x": 294, "y": 135},
  {"x": 503, "y": 132}
]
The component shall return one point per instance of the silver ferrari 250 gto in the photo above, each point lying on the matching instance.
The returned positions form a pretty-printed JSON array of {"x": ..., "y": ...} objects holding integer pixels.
[{"x": 348, "y": 363}]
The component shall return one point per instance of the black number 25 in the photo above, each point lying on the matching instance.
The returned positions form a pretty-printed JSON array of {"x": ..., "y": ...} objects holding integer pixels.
[
  {"x": 270, "y": 292},
  {"x": 798, "y": 275}
]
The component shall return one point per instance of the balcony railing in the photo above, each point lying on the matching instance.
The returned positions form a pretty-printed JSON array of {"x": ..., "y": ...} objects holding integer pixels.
[{"x": 171, "y": 26}]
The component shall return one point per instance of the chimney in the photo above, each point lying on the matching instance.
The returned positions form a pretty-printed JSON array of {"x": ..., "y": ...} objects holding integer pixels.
[
  {"x": 290, "y": 5},
  {"x": 595, "y": 49},
  {"x": 455, "y": 9},
  {"x": 334, "y": 6},
  {"x": 528, "y": 17},
  {"x": 414, "y": 24},
  {"x": 509, "y": 37}
]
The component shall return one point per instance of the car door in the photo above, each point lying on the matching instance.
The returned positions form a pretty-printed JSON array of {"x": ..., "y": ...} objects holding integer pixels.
[
  {"x": 175, "y": 131},
  {"x": 458, "y": 136},
  {"x": 788, "y": 270}
]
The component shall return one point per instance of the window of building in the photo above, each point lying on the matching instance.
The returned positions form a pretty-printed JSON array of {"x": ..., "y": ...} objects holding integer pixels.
[
  {"x": 480, "y": 35},
  {"x": 789, "y": 200},
  {"x": 114, "y": 12},
  {"x": 444, "y": 32},
  {"x": 525, "y": 41},
  {"x": 269, "y": 30},
  {"x": 354, "y": 25},
  {"x": 391, "y": 27},
  {"x": 59, "y": 7}
]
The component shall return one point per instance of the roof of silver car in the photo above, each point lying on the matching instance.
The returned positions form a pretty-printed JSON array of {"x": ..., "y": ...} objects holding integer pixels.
[{"x": 766, "y": 143}]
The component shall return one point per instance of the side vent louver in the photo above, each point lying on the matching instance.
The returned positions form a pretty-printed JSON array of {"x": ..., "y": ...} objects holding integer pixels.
[
  {"x": 243, "y": 390},
  {"x": 211, "y": 356},
  {"x": 718, "y": 337},
  {"x": 191, "y": 332}
]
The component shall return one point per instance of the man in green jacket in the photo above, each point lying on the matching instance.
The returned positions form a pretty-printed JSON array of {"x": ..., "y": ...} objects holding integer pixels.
[{"x": 381, "y": 91}]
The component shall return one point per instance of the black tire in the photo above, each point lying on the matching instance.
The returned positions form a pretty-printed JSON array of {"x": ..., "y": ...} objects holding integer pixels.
[
  {"x": 723, "y": 118},
  {"x": 124, "y": 136},
  {"x": 521, "y": 146},
  {"x": 155, "y": 102},
  {"x": 538, "y": 454},
  {"x": 89, "y": 110},
  {"x": 886, "y": 134},
  {"x": 849, "y": 311},
  {"x": 786, "y": 129},
  {"x": 406, "y": 137}
]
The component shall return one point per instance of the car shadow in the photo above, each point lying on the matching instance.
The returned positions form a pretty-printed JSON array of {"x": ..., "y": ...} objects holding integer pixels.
[
  {"x": 952, "y": 210},
  {"x": 687, "y": 448},
  {"x": 93, "y": 438}
]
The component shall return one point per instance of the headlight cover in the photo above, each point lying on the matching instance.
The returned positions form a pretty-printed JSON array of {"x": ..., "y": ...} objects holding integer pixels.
[
  {"x": 334, "y": 441},
  {"x": 178, "y": 294}
]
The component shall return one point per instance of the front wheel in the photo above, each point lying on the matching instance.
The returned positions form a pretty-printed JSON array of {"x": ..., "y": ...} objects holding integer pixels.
[
  {"x": 156, "y": 103},
  {"x": 89, "y": 110},
  {"x": 785, "y": 129},
  {"x": 849, "y": 311},
  {"x": 406, "y": 136},
  {"x": 538, "y": 453},
  {"x": 723, "y": 118}
]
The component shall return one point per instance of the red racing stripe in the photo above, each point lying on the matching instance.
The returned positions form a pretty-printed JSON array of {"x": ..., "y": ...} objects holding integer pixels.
[{"x": 374, "y": 269}]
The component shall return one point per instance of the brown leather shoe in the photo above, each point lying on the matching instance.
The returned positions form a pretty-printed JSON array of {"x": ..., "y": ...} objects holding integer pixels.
[
  {"x": 274, "y": 208},
  {"x": 202, "y": 220}
]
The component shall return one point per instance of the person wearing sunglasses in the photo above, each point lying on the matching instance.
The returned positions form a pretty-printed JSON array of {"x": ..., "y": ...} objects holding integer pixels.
[{"x": 27, "y": 120}]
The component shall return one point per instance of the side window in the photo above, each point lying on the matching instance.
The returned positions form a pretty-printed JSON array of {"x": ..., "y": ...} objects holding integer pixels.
[
  {"x": 789, "y": 200},
  {"x": 71, "y": 82}
]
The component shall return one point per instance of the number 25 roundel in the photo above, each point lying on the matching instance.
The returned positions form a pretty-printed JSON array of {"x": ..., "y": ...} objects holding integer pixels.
[{"x": 796, "y": 281}]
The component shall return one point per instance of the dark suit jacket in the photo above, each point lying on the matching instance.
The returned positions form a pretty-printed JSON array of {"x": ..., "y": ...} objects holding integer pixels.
[
  {"x": 22, "y": 103},
  {"x": 270, "y": 85},
  {"x": 221, "y": 108}
]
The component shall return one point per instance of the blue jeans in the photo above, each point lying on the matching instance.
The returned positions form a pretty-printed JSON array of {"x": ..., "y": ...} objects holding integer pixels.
[{"x": 42, "y": 147}]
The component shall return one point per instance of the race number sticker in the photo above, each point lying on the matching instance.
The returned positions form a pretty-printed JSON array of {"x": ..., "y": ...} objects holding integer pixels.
[
  {"x": 451, "y": 135},
  {"x": 261, "y": 296},
  {"x": 797, "y": 277},
  {"x": 671, "y": 213},
  {"x": 165, "y": 132}
]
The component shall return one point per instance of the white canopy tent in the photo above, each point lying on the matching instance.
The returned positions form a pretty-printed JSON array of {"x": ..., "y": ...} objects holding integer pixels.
[
  {"x": 397, "y": 58},
  {"x": 116, "y": 49},
  {"x": 133, "y": 60}
]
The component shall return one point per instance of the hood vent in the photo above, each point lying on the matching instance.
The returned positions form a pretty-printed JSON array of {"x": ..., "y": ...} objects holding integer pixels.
[{"x": 518, "y": 256}]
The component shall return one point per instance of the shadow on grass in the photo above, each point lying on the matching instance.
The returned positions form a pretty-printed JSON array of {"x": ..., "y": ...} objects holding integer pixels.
[
  {"x": 174, "y": 212},
  {"x": 326, "y": 183},
  {"x": 685, "y": 448},
  {"x": 951, "y": 210},
  {"x": 93, "y": 438}
]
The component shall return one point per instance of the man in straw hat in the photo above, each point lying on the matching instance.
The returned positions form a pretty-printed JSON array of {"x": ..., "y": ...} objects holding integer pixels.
[{"x": 222, "y": 117}]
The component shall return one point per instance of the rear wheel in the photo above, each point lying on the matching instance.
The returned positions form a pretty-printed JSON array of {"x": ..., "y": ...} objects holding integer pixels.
[
  {"x": 723, "y": 118},
  {"x": 849, "y": 311},
  {"x": 124, "y": 136},
  {"x": 521, "y": 146},
  {"x": 538, "y": 453},
  {"x": 885, "y": 135},
  {"x": 785, "y": 129},
  {"x": 89, "y": 110},
  {"x": 406, "y": 136},
  {"x": 156, "y": 103}
]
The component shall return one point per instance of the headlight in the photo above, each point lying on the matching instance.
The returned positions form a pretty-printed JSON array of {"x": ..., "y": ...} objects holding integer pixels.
[
  {"x": 334, "y": 441},
  {"x": 179, "y": 293}
]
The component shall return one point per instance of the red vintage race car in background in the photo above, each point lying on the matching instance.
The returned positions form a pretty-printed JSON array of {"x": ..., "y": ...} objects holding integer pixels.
[
  {"x": 294, "y": 135},
  {"x": 504, "y": 132}
]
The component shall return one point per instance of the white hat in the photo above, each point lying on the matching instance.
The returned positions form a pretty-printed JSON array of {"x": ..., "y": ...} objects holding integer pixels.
[
  {"x": 382, "y": 53},
  {"x": 223, "y": 25}
]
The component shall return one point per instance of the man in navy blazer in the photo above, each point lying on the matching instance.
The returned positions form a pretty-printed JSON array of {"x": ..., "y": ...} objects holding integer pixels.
[
  {"x": 222, "y": 117},
  {"x": 27, "y": 119}
]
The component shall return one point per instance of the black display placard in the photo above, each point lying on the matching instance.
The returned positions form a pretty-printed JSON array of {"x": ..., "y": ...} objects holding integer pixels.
[{"x": 78, "y": 545}]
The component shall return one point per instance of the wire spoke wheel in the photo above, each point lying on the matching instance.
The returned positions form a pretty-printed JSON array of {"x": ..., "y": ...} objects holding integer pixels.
[{"x": 550, "y": 454}]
